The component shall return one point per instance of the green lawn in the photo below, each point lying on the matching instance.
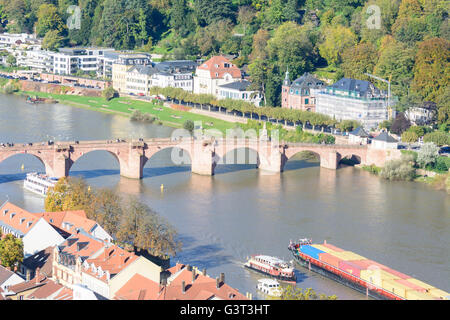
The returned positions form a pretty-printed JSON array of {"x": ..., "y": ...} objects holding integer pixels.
[{"x": 125, "y": 106}]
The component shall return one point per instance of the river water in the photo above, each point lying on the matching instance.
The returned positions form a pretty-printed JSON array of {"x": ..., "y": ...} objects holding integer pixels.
[{"x": 239, "y": 211}]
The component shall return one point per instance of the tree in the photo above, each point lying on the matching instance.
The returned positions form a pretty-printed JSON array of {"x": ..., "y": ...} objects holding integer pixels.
[
  {"x": 409, "y": 136},
  {"x": 259, "y": 45},
  {"x": 189, "y": 125},
  {"x": 359, "y": 60},
  {"x": 337, "y": 39},
  {"x": 427, "y": 154},
  {"x": 144, "y": 229},
  {"x": 290, "y": 12},
  {"x": 396, "y": 62},
  {"x": 431, "y": 76},
  {"x": 68, "y": 194},
  {"x": 49, "y": 19},
  {"x": 52, "y": 40},
  {"x": 246, "y": 14},
  {"x": 209, "y": 11},
  {"x": 109, "y": 93},
  {"x": 11, "y": 60},
  {"x": 400, "y": 124},
  {"x": 293, "y": 293},
  {"x": 438, "y": 138},
  {"x": 178, "y": 14},
  {"x": 292, "y": 46},
  {"x": 11, "y": 251}
]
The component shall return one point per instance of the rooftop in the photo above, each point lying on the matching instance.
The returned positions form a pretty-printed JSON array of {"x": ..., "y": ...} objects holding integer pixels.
[
  {"x": 196, "y": 287},
  {"x": 17, "y": 218},
  {"x": 46, "y": 290},
  {"x": 240, "y": 85},
  {"x": 384, "y": 136},
  {"x": 360, "y": 132},
  {"x": 363, "y": 88},
  {"x": 41, "y": 260},
  {"x": 307, "y": 81},
  {"x": 218, "y": 66},
  {"x": 5, "y": 274}
]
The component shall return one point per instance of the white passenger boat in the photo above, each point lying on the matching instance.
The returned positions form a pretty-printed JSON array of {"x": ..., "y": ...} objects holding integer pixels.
[
  {"x": 39, "y": 183},
  {"x": 271, "y": 287}
]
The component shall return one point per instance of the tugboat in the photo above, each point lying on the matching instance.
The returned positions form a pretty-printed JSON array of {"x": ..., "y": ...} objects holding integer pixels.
[{"x": 271, "y": 266}]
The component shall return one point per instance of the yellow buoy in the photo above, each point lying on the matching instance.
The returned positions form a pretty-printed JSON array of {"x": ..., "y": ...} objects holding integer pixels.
[
  {"x": 22, "y": 167},
  {"x": 162, "y": 187}
]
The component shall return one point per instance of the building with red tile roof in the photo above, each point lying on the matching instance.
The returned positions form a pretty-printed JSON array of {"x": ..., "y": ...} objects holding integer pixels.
[
  {"x": 64, "y": 294},
  {"x": 71, "y": 221},
  {"x": 15, "y": 220},
  {"x": 184, "y": 283},
  {"x": 215, "y": 72},
  {"x": 46, "y": 291}
]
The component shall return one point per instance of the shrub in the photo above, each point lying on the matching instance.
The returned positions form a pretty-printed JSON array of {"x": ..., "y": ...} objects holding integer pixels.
[
  {"x": 398, "y": 170},
  {"x": 439, "y": 138},
  {"x": 109, "y": 93},
  {"x": 137, "y": 115},
  {"x": 409, "y": 136},
  {"x": 427, "y": 154},
  {"x": 189, "y": 125},
  {"x": 442, "y": 164}
]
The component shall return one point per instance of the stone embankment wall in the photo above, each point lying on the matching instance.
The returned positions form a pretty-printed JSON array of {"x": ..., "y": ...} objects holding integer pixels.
[{"x": 57, "y": 89}]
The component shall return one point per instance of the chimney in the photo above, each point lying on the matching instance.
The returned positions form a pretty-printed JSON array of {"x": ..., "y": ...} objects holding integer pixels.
[
  {"x": 204, "y": 272},
  {"x": 188, "y": 267},
  {"x": 222, "y": 278},
  {"x": 183, "y": 287},
  {"x": 217, "y": 283},
  {"x": 193, "y": 276},
  {"x": 28, "y": 274},
  {"x": 37, "y": 274}
]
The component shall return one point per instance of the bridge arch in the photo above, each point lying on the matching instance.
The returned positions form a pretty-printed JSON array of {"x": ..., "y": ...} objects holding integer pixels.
[
  {"x": 36, "y": 155},
  {"x": 291, "y": 163},
  {"x": 180, "y": 154},
  {"x": 80, "y": 155}
]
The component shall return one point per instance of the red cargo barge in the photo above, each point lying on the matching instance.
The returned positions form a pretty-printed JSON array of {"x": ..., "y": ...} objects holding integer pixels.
[{"x": 338, "y": 274}]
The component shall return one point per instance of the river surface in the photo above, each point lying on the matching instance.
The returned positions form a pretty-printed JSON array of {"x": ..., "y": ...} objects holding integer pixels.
[{"x": 241, "y": 211}]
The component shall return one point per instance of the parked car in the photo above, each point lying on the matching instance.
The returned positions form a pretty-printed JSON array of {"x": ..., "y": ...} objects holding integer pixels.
[{"x": 444, "y": 150}]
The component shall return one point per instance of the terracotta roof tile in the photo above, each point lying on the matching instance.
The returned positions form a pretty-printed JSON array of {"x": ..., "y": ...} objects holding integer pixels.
[
  {"x": 17, "y": 218},
  {"x": 42, "y": 260},
  {"x": 113, "y": 259},
  {"x": 138, "y": 288},
  {"x": 65, "y": 294},
  {"x": 49, "y": 288},
  {"x": 217, "y": 69},
  {"x": 68, "y": 221},
  {"x": 203, "y": 288},
  {"x": 33, "y": 283}
]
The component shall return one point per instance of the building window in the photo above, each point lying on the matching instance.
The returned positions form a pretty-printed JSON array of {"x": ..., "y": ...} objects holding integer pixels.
[{"x": 306, "y": 101}]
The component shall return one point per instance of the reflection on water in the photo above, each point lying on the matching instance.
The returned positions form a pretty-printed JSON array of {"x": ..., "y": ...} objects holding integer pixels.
[{"x": 241, "y": 210}]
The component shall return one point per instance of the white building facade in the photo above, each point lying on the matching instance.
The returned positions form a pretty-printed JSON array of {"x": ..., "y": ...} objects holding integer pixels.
[{"x": 350, "y": 99}]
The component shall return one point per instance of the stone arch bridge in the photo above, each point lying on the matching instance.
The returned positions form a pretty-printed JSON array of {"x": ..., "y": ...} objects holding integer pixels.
[{"x": 204, "y": 155}]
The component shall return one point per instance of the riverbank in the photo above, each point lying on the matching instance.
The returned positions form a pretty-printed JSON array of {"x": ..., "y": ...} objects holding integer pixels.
[
  {"x": 125, "y": 106},
  {"x": 439, "y": 181}
]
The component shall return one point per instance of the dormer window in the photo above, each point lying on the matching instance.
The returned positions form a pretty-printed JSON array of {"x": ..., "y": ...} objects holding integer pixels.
[
  {"x": 29, "y": 224},
  {"x": 5, "y": 212},
  {"x": 22, "y": 220},
  {"x": 216, "y": 65},
  {"x": 217, "y": 74},
  {"x": 13, "y": 214},
  {"x": 226, "y": 65}
]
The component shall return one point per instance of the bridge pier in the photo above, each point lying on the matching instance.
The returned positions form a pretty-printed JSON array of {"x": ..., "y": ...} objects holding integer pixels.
[
  {"x": 329, "y": 160},
  {"x": 133, "y": 168},
  {"x": 271, "y": 161},
  {"x": 203, "y": 160}
]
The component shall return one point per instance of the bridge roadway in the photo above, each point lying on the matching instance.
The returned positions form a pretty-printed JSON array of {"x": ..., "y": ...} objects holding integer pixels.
[{"x": 203, "y": 154}]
